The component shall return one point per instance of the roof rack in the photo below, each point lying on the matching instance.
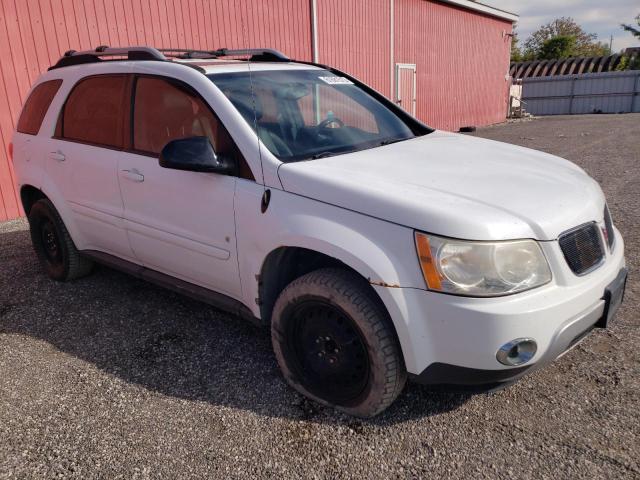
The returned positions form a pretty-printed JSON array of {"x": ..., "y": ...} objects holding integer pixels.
[
  {"x": 255, "y": 54},
  {"x": 73, "y": 57}
]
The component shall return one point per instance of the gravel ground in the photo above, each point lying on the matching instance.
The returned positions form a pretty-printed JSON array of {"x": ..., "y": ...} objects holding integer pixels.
[{"x": 111, "y": 377}]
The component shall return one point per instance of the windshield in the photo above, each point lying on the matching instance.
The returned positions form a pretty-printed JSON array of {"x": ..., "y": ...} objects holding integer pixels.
[{"x": 308, "y": 114}]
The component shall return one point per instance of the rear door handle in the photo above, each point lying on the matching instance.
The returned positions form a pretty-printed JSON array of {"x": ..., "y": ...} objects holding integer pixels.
[
  {"x": 133, "y": 175},
  {"x": 58, "y": 156}
]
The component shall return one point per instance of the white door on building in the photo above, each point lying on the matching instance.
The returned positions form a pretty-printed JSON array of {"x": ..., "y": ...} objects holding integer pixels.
[{"x": 406, "y": 87}]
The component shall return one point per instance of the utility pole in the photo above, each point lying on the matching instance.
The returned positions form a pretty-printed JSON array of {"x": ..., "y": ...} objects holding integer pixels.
[{"x": 611, "y": 45}]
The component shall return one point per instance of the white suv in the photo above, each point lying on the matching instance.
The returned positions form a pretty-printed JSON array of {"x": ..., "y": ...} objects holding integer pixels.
[{"x": 292, "y": 194}]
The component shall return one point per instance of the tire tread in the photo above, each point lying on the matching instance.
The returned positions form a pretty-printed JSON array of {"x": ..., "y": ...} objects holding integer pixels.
[{"x": 353, "y": 289}]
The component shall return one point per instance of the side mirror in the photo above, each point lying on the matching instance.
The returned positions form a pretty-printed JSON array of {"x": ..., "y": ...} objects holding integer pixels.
[{"x": 195, "y": 154}]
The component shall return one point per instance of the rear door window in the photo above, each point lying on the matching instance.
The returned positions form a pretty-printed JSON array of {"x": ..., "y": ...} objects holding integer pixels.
[
  {"x": 36, "y": 106},
  {"x": 96, "y": 110}
]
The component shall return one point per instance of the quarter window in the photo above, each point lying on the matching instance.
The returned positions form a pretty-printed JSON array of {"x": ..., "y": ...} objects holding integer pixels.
[
  {"x": 36, "y": 106},
  {"x": 95, "y": 111}
]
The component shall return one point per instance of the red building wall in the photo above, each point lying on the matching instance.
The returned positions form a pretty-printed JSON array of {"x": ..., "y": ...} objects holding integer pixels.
[
  {"x": 461, "y": 56},
  {"x": 354, "y": 36}
]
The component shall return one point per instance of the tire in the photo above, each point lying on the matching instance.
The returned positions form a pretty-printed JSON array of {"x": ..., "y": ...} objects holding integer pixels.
[
  {"x": 53, "y": 245},
  {"x": 335, "y": 342}
]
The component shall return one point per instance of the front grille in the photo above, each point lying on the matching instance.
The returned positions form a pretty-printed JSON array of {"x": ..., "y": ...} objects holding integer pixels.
[
  {"x": 608, "y": 225},
  {"x": 582, "y": 248}
]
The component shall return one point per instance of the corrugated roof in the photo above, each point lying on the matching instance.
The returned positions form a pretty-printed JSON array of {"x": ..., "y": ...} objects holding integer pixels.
[{"x": 565, "y": 66}]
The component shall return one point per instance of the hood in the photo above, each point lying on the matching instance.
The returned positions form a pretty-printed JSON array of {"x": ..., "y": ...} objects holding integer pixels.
[{"x": 456, "y": 186}]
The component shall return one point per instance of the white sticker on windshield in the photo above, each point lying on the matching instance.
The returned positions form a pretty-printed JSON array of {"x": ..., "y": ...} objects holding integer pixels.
[{"x": 336, "y": 80}]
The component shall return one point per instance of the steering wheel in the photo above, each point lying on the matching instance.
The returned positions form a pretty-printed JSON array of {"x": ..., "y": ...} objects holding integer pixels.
[{"x": 328, "y": 121}]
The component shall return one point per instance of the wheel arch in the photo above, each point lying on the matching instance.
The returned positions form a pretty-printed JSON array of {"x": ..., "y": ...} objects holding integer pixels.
[
  {"x": 30, "y": 195},
  {"x": 284, "y": 264}
]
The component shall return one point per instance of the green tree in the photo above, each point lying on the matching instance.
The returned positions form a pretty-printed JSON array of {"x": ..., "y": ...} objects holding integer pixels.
[
  {"x": 516, "y": 53},
  {"x": 632, "y": 61},
  {"x": 561, "y": 46},
  {"x": 585, "y": 43},
  {"x": 631, "y": 29}
]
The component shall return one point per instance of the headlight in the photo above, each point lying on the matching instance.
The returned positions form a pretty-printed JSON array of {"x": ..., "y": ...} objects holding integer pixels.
[{"x": 481, "y": 269}]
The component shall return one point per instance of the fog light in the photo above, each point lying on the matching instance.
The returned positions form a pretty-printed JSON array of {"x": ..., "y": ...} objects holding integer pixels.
[{"x": 517, "y": 352}]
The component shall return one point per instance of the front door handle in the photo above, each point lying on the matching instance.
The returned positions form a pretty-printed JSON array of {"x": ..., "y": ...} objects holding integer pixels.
[
  {"x": 58, "y": 156},
  {"x": 133, "y": 175}
]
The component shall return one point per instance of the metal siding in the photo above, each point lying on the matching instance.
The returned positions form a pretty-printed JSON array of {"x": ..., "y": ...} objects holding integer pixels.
[
  {"x": 606, "y": 92},
  {"x": 462, "y": 58},
  {"x": 354, "y": 36},
  {"x": 14, "y": 73},
  {"x": 35, "y": 33}
]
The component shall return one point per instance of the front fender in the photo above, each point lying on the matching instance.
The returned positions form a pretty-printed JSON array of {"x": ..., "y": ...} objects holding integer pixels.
[
  {"x": 380, "y": 251},
  {"x": 335, "y": 240}
]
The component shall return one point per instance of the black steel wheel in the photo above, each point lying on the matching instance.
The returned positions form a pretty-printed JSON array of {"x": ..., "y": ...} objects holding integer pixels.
[
  {"x": 335, "y": 342},
  {"x": 329, "y": 351},
  {"x": 50, "y": 242},
  {"x": 53, "y": 245}
]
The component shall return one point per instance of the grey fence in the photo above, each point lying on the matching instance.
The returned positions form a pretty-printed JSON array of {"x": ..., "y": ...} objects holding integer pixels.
[{"x": 610, "y": 92}]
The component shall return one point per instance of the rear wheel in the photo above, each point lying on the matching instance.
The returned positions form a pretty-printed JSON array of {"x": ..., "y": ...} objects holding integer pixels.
[
  {"x": 53, "y": 245},
  {"x": 335, "y": 342}
]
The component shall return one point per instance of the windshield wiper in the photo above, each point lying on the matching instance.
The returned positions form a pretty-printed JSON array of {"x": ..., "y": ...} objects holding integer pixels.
[
  {"x": 389, "y": 141},
  {"x": 330, "y": 153},
  {"x": 324, "y": 155}
]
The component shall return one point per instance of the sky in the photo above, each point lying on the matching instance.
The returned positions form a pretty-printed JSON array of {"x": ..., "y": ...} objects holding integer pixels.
[{"x": 595, "y": 16}]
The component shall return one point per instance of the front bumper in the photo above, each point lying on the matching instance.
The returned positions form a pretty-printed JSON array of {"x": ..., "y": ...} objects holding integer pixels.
[
  {"x": 448, "y": 339},
  {"x": 565, "y": 338}
]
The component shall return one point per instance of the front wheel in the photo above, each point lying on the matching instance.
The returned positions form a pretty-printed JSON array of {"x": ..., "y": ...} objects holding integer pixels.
[{"x": 335, "y": 343}]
